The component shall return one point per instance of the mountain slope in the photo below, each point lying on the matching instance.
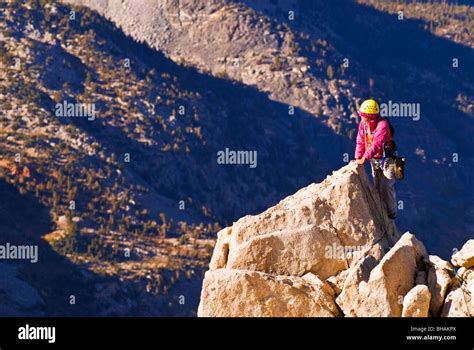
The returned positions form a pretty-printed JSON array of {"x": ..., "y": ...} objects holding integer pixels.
[
  {"x": 325, "y": 59},
  {"x": 134, "y": 192},
  {"x": 134, "y": 195}
]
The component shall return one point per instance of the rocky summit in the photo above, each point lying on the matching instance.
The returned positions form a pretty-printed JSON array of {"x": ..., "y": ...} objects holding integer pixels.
[{"x": 330, "y": 250}]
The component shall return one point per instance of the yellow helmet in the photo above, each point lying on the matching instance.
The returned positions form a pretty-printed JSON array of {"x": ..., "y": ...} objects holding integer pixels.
[{"x": 369, "y": 107}]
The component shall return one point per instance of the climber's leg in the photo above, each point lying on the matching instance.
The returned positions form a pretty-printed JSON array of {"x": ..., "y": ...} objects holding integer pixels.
[
  {"x": 376, "y": 173},
  {"x": 387, "y": 190},
  {"x": 384, "y": 182}
]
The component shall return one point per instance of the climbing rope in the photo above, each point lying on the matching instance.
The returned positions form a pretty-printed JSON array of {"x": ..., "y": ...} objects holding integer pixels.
[{"x": 458, "y": 278}]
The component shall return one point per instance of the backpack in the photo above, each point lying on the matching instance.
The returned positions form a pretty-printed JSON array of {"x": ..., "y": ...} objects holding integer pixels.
[
  {"x": 390, "y": 147},
  {"x": 392, "y": 129}
]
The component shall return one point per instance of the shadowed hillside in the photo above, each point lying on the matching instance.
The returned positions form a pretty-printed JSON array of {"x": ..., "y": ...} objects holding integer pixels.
[
  {"x": 135, "y": 193},
  {"x": 324, "y": 57},
  {"x": 130, "y": 195}
]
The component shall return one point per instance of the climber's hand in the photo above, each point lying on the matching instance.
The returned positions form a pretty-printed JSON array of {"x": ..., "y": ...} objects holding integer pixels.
[{"x": 360, "y": 161}]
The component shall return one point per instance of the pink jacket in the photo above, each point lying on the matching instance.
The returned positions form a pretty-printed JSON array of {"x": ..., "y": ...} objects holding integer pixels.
[{"x": 380, "y": 134}]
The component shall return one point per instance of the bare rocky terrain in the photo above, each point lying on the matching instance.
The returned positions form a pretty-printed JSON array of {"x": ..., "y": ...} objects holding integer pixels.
[{"x": 329, "y": 250}]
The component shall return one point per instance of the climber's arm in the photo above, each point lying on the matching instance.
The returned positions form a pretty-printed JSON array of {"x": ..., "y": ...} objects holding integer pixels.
[{"x": 360, "y": 143}]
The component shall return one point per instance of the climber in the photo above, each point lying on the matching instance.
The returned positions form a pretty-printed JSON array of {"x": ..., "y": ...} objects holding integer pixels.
[{"x": 374, "y": 142}]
